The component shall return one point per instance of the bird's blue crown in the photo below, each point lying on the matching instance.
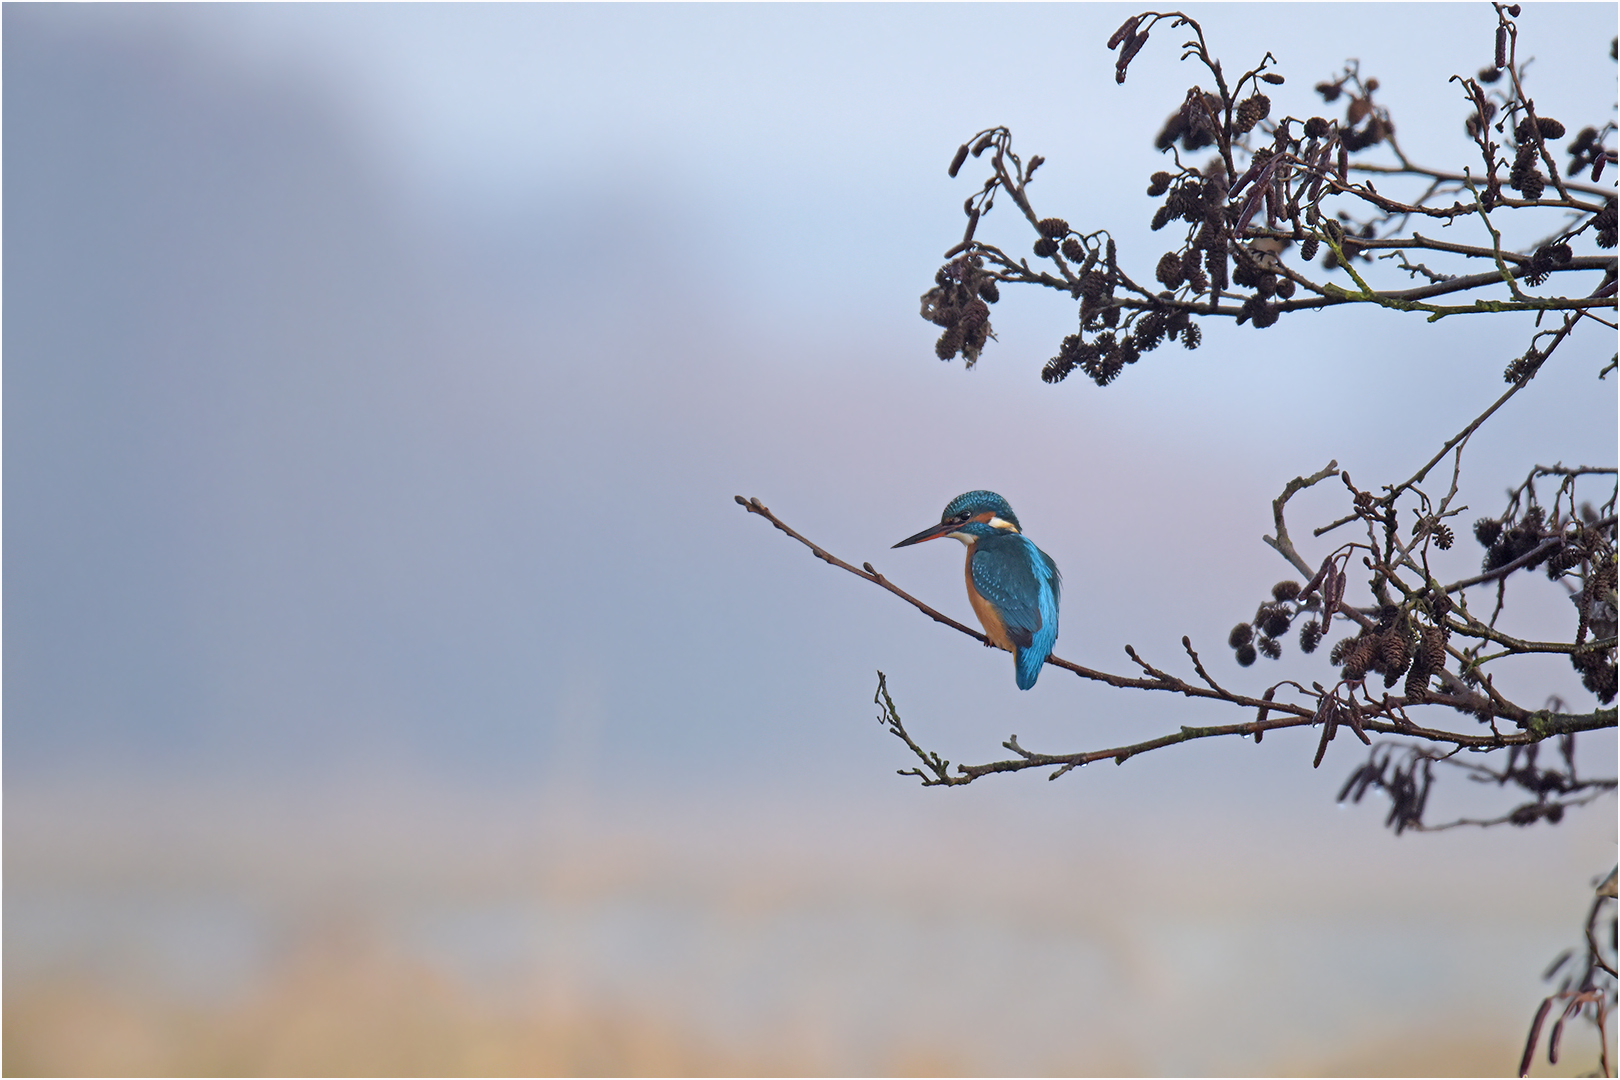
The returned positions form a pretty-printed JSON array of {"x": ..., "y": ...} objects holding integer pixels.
[{"x": 973, "y": 503}]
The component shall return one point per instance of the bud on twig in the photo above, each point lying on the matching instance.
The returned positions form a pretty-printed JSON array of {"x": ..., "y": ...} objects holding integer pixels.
[
  {"x": 1126, "y": 29},
  {"x": 1132, "y": 47},
  {"x": 973, "y": 223}
]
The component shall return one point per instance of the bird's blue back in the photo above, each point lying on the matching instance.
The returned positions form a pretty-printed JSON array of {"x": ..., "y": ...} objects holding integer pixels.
[{"x": 1024, "y": 584}]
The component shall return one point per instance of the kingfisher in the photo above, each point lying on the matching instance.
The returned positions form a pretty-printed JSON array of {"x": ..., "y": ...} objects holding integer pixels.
[{"x": 1012, "y": 584}]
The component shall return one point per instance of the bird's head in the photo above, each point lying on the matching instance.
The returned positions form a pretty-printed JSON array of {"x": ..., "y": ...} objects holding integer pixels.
[{"x": 968, "y": 517}]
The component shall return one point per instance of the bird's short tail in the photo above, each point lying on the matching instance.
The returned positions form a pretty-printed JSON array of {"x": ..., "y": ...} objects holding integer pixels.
[{"x": 1028, "y": 664}]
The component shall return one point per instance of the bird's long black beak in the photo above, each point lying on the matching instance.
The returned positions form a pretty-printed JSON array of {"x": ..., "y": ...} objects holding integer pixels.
[{"x": 933, "y": 532}]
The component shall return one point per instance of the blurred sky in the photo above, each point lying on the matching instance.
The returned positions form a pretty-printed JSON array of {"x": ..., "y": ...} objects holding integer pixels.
[{"x": 378, "y": 380}]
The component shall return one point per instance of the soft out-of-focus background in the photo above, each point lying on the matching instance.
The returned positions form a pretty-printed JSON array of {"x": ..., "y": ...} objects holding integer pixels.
[{"x": 391, "y": 684}]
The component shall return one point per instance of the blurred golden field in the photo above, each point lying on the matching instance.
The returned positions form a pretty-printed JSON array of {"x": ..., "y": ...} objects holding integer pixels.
[
  {"x": 481, "y": 938},
  {"x": 345, "y": 1007}
]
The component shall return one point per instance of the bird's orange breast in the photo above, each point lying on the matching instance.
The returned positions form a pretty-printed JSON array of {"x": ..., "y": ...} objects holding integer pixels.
[{"x": 994, "y": 628}]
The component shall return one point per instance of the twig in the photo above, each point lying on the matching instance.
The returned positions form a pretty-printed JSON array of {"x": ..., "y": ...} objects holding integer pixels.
[
  {"x": 1385, "y": 720},
  {"x": 890, "y": 716}
]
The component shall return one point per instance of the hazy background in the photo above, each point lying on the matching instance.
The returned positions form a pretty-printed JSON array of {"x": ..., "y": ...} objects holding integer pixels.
[{"x": 392, "y": 685}]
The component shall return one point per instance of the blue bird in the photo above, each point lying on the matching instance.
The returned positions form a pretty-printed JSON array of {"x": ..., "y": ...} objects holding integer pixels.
[{"x": 1012, "y": 584}]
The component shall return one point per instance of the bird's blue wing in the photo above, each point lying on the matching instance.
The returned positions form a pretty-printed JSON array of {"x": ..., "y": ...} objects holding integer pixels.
[
  {"x": 1004, "y": 574},
  {"x": 1051, "y": 587},
  {"x": 1023, "y": 583}
]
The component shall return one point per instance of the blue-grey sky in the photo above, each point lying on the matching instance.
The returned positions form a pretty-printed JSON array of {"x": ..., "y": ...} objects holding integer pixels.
[
  {"x": 378, "y": 379},
  {"x": 380, "y": 376}
]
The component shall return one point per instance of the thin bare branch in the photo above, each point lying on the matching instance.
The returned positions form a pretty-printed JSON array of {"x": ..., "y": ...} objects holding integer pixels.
[{"x": 1386, "y": 717}]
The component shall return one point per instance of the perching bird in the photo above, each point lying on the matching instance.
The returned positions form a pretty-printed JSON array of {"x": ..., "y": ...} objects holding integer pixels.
[{"x": 1012, "y": 584}]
